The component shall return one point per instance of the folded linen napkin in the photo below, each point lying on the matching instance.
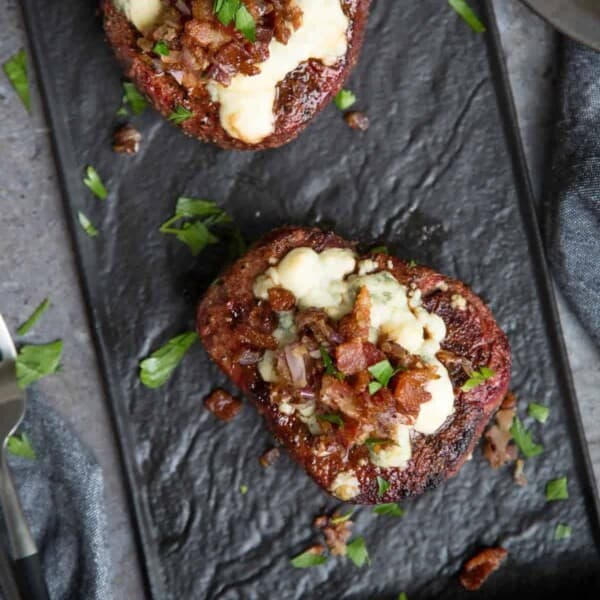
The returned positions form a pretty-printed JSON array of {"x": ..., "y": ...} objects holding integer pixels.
[
  {"x": 572, "y": 222},
  {"x": 62, "y": 496}
]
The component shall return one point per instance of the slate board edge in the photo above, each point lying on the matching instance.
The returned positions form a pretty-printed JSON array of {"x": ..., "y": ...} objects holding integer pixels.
[{"x": 70, "y": 186}]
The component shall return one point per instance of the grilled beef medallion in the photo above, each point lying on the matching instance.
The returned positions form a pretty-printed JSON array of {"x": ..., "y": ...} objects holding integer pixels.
[
  {"x": 377, "y": 375},
  {"x": 252, "y": 83}
]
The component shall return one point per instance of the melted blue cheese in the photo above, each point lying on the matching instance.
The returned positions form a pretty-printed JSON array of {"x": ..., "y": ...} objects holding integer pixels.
[
  {"x": 247, "y": 103},
  {"x": 142, "y": 13}
]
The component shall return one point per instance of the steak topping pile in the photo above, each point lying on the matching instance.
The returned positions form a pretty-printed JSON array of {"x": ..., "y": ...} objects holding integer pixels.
[{"x": 363, "y": 366}]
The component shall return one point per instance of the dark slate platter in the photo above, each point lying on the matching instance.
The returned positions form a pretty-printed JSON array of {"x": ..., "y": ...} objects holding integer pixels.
[{"x": 439, "y": 177}]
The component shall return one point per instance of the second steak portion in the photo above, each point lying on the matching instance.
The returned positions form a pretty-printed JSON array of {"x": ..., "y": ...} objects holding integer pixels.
[{"x": 357, "y": 362}]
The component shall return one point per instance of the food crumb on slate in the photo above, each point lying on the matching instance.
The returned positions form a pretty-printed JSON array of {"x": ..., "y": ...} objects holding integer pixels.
[
  {"x": 337, "y": 531},
  {"x": 223, "y": 405},
  {"x": 498, "y": 447},
  {"x": 478, "y": 568},
  {"x": 519, "y": 473},
  {"x": 126, "y": 140},
  {"x": 357, "y": 120},
  {"x": 269, "y": 457}
]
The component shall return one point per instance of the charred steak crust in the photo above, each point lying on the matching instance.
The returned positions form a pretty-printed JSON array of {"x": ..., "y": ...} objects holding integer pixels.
[
  {"x": 472, "y": 333},
  {"x": 301, "y": 95}
]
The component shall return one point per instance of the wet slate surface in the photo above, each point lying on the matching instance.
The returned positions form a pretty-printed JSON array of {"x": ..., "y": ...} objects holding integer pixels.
[{"x": 433, "y": 177}]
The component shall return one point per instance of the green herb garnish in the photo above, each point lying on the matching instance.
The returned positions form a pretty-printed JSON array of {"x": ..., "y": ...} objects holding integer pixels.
[
  {"x": 524, "y": 440},
  {"x": 35, "y": 317},
  {"x": 341, "y": 518},
  {"x": 20, "y": 446},
  {"x": 86, "y": 225},
  {"x": 379, "y": 250},
  {"x": 538, "y": 412},
  {"x": 15, "y": 69},
  {"x": 94, "y": 183},
  {"x": 308, "y": 559},
  {"x": 382, "y": 372},
  {"x": 412, "y": 263},
  {"x": 235, "y": 10},
  {"x": 466, "y": 12},
  {"x": 562, "y": 532},
  {"x": 331, "y": 418},
  {"x": 328, "y": 364},
  {"x": 391, "y": 510},
  {"x": 402, "y": 596},
  {"x": 243, "y": 489},
  {"x": 133, "y": 98},
  {"x": 344, "y": 99},
  {"x": 370, "y": 442},
  {"x": 161, "y": 48},
  {"x": 180, "y": 114},
  {"x": 556, "y": 489},
  {"x": 35, "y": 362},
  {"x": 357, "y": 552},
  {"x": 159, "y": 366},
  {"x": 374, "y": 387},
  {"x": 382, "y": 486},
  {"x": 477, "y": 378}
]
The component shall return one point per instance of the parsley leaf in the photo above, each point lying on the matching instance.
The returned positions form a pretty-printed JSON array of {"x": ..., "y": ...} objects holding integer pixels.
[
  {"x": 370, "y": 442},
  {"x": 344, "y": 99},
  {"x": 379, "y": 250},
  {"x": 94, "y": 183},
  {"x": 15, "y": 69},
  {"x": 86, "y": 224},
  {"x": 180, "y": 114},
  {"x": 226, "y": 10},
  {"x": 159, "y": 366},
  {"x": 374, "y": 387},
  {"x": 383, "y": 372},
  {"x": 341, "y": 518},
  {"x": 556, "y": 489},
  {"x": 20, "y": 446},
  {"x": 392, "y": 510},
  {"x": 562, "y": 532},
  {"x": 524, "y": 440},
  {"x": 328, "y": 363},
  {"x": 35, "y": 362},
  {"x": 161, "y": 48},
  {"x": 243, "y": 489},
  {"x": 331, "y": 418},
  {"x": 382, "y": 486},
  {"x": 412, "y": 264},
  {"x": 538, "y": 412},
  {"x": 133, "y": 98},
  {"x": 244, "y": 23},
  {"x": 308, "y": 559},
  {"x": 402, "y": 596},
  {"x": 35, "y": 317},
  {"x": 357, "y": 552},
  {"x": 466, "y": 12},
  {"x": 477, "y": 378}
]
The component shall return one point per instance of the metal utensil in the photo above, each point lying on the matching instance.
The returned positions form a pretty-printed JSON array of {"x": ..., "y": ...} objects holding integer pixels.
[{"x": 26, "y": 562}]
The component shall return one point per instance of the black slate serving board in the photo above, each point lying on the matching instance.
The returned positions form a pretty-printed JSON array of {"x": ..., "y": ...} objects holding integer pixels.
[{"x": 439, "y": 177}]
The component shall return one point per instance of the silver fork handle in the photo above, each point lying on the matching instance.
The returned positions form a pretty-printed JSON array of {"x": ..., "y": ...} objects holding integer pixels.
[{"x": 19, "y": 535}]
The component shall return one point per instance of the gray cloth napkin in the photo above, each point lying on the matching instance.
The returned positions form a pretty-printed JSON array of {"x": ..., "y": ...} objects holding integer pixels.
[
  {"x": 62, "y": 495},
  {"x": 572, "y": 223}
]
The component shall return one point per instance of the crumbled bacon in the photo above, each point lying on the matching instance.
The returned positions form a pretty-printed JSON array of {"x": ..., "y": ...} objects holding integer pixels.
[
  {"x": 269, "y": 457},
  {"x": 262, "y": 317},
  {"x": 357, "y": 120},
  {"x": 223, "y": 405},
  {"x": 498, "y": 447},
  {"x": 350, "y": 358},
  {"x": 477, "y": 569},
  {"x": 316, "y": 322},
  {"x": 337, "y": 531},
  {"x": 356, "y": 325},
  {"x": 519, "y": 473},
  {"x": 339, "y": 396},
  {"x": 255, "y": 338},
  {"x": 409, "y": 390},
  {"x": 281, "y": 299},
  {"x": 126, "y": 140}
]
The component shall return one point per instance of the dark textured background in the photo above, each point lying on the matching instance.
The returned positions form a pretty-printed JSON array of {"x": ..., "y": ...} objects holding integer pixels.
[{"x": 433, "y": 177}]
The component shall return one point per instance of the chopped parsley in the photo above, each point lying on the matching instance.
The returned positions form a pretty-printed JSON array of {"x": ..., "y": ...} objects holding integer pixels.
[
  {"x": 180, "y": 114},
  {"x": 538, "y": 412},
  {"x": 374, "y": 387},
  {"x": 344, "y": 99},
  {"x": 466, "y": 12},
  {"x": 307, "y": 559},
  {"x": 477, "y": 378},
  {"x": 556, "y": 489},
  {"x": 132, "y": 98},
  {"x": 243, "y": 489},
  {"x": 524, "y": 440},
  {"x": 382, "y": 486},
  {"x": 357, "y": 552},
  {"x": 382, "y": 372},
  {"x": 341, "y": 518},
  {"x": 562, "y": 532},
  {"x": 35, "y": 317},
  {"x": 391, "y": 510},
  {"x": 15, "y": 69},
  {"x": 328, "y": 364},
  {"x": 86, "y": 224},
  {"x": 402, "y": 596},
  {"x": 159, "y": 366},
  {"x": 94, "y": 183},
  {"x": 236, "y": 11},
  {"x": 412, "y": 263},
  {"x": 196, "y": 218},
  {"x": 20, "y": 446},
  {"x": 331, "y": 418},
  {"x": 380, "y": 250},
  {"x": 371, "y": 442},
  {"x": 161, "y": 48},
  {"x": 35, "y": 362}
]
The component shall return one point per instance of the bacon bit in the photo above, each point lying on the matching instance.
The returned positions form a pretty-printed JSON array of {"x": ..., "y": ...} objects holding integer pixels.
[
  {"x": 316, "y": 321},
  {"x": 262, "y": 317},
  {"x": 350, "y": 358},
  {"x": 356, "y": 325},
  {"x": 357, "y": 120},
  {"x": 223, "y": 405},
  {"x": 519, "y": 473},
  {"x": 208, "y": 34},
  {"x": 401, "y": 355},
  {"x": 126, "y": 140},
  {"x": 409, "y": 390},
  {"x": 360, "y": 381},
  {"x": 316, "y": 549},
  {"x": 339, "y": 396},
  {"x": 269, "y": 457},
  {"x": 337, "y": 533},
  {"x": 255, "y": 338},
  {"x": 281, "y": 299},
  {"x": 498, "y": 447},
  {"x": 477, "y": 569},
  {"x": 510, "y": 401}
]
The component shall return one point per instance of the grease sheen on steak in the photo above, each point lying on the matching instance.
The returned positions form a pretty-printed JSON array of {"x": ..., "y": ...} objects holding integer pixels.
[
  {"x": 233, "y": 325},
  {"x": 201, "y": 49}
]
